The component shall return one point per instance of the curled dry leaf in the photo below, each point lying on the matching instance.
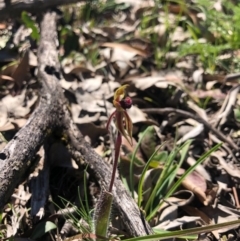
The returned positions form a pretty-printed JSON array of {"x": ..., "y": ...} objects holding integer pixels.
[
  {"x": 199, "y": 168},
  {"x": 196, "y": 183},
  {"x": 170, "y": 213},
  {"x": 160, "y": 79},
  {"x": 194, "y": 211}
]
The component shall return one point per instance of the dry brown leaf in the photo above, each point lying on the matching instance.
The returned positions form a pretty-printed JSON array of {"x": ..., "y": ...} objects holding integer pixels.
[
  {"x": 196, "y": 183},
  {"x": 194, "y": 211},
  {"x": 5, "y": 77},
  {"x": 215, "y": 94},
  {"x": 93, "y": 131},
  {"x": 146, "y": 82},
  {"x": 13, "y": 124},
  {"x": 221, "y": 214},
  {"x": 193, "y": 133},
  {"x": 178, "y": 222},
  {"x": 3, "y": 115},
  {"x": 170, "y": 213},
  {"x": 125, "y": 47},
  {"x": 227, "y": 108},
  {"x": 21, "y": 72},
  {"x": 16, "y": 104},
  {"x": 93, "y": 84},
  {"x": 199, "y": 168}
]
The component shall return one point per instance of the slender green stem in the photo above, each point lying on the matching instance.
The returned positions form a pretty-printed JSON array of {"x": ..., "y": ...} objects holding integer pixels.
[{"x": 118, "y": 144}]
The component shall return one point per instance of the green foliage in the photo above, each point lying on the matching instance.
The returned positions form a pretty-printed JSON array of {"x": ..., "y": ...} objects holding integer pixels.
[
  {"x": 94, "y": 8},
  {"x": 2, "y": 226},
  {"x": 42, "y": 228},
  {"x": 217, "y": 32},
  {"x": 237, "y": 114},
  {"x": 68, "y": 39},
  {"x": 165, "y": 185},
  {"x": 184, "y": 233},
  {"x": 30, "y": 23}
]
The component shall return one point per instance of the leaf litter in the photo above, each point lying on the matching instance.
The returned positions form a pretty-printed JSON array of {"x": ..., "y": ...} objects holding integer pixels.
[{"x": 144, "y": 45}]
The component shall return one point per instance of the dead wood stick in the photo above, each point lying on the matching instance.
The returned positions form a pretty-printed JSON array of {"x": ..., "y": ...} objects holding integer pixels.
[
  {"x": 16, "y": 157},
  {"x": 13, "y": 8},
  {"x": 218, "y": 133},
  {"x": 39, "y": 180}
]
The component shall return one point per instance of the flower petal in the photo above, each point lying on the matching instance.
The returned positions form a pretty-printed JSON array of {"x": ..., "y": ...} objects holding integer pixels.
[
  {"x": 119, "y": 93},
  {"x": 110, "y": 119},
  {"x": 119, "y": 122},
  {"x": 129, "y": 127}
]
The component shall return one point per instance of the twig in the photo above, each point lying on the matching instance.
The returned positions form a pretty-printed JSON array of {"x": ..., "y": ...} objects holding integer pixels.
[
  {"x": 218, "y": 133},
  {"x": 236, "y": 197}
]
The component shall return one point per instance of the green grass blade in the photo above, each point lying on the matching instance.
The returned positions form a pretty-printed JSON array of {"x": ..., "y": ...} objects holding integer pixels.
[
  {"x": 160, "y": 181},
  {"x": 165, "y": 177},
  {"x": 179, "y": 233},
  {"x": 133, "y": 157},
  {"x": 179, "y": 181},
  {"x": 184, "y": 149},
  {"x": 140, "y": 185},
  {"x": 162, "y": 232},
  {"x": 192, "y": 168}
]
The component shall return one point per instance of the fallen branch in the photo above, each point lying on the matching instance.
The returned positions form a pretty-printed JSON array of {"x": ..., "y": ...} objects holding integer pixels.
[
  {"x": 16, "y": 157},
  {"x": 12, "y": 8}
]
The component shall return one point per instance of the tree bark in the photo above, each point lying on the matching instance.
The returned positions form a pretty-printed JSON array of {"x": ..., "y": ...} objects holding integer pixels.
[
  {"x": 17, "y": 155},
  {"x": 52, "y": 113},
  {"x": 12, "y": 8}
]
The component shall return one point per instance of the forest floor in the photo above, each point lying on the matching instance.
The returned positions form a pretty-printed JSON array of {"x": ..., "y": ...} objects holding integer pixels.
[{"x": 181, "y": 60}]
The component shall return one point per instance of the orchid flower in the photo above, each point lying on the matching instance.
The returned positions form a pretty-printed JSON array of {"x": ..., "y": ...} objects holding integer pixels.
[{"x": 122, "y": 122}]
